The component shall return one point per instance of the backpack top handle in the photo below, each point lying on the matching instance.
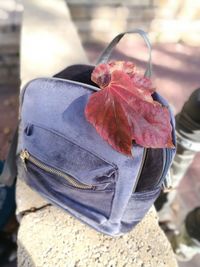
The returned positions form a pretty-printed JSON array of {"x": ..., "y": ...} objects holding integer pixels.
[{"x": 107, "y": 52}]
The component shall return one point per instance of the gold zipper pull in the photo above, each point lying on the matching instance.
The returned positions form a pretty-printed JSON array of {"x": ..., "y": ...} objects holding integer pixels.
[{"x": 24, "y": 155}]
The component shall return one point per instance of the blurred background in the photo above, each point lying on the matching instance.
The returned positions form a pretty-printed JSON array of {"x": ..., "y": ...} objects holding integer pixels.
[{"x": 174, "y": 30}]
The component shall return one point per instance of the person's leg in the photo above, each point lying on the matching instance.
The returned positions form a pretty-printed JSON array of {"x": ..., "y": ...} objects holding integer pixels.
[
  {"x": 186, "y": 243},
  {"x": 188, "y": 144},
  {"x": 8, "y": 224}
]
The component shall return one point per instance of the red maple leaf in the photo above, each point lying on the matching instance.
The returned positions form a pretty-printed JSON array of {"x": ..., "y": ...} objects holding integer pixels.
[{"x": 124, "y": 109}]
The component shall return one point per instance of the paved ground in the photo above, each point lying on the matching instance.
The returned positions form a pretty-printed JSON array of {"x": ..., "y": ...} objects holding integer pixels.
[
  {"x": 176, "y": 75},
  {"x": 8, "y": 115}
]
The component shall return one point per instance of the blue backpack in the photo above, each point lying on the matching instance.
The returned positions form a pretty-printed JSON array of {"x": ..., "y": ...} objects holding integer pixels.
[{"x": 61, "y": 156}]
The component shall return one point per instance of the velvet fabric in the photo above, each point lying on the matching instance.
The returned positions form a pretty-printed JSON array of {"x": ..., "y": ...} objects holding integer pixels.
[{"x": 54, "y": 130}]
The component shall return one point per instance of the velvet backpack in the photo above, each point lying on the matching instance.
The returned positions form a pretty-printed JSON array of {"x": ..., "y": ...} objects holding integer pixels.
[{"x": 61, "y": 156}]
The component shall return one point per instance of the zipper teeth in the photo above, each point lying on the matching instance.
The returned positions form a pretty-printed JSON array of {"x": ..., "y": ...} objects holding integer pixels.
[
  {"x": 51, "y": 170},
  {"x": 167, "y": 185},
  {"x": 140, "y": 170}
]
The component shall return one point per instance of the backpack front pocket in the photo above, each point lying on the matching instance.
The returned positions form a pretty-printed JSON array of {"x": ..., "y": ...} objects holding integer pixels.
[
  {"x": 27, "y": 158},
  {"x": 67, "y": 172}
]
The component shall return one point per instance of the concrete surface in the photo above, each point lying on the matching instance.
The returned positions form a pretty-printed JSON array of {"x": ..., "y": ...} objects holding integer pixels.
[
  {"x": 48, "y": 236},
  {"x": 49, "y": 39}
]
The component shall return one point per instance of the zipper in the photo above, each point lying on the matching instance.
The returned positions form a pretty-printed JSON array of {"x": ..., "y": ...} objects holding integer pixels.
[
  {"x": 167, "y": 182},
  {"x": 25, "y": 156},
  {"x": 140, "y": 170}
]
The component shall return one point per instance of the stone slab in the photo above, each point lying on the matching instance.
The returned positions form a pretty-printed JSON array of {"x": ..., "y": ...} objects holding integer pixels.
[
  {"x": 49, "y": 39},
  {"x": 27, "y": 199},
  {"x": 50, "y": 237}
]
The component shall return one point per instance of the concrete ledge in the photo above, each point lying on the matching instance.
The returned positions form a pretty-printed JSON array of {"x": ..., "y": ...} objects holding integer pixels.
[
  {"x": 50, "y": 237},
  {"x": 27, "y": 199},
  {"x": 49, "y": 39}
]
